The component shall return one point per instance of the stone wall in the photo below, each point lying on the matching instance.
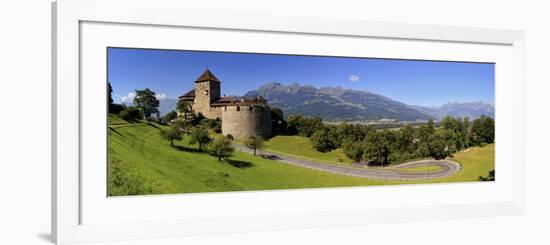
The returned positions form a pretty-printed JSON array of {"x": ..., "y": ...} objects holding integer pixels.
[{"x": 243, "y": 121}]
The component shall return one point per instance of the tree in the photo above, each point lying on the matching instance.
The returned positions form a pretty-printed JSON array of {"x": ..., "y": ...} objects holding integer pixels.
[
  {"x": 147, "y": 102},
  {"x": 170, "y": 116},
  {"x": 200, "y": 136},
  {"x": 437, "y": 146},
  {"x": 278, "y": 120},
  {"x": 322, "y": 140},
  {"x": 467, "y": 131},
  {"x": 425, "y": 131},
  {"x": 171, "y": 134},
  {"x": 304, "y": 126},
  {"x": 377, "y": 147},
  {"x": 182, "y": 125},
  {"x": 131, "y": 113},
  {"x": 184, "y": 108},
  {"x": 255, "y": 143},
  {"x": 110, "y": 96},
  {"x": 353, "y": 149},
  {"x": 483, "y": 130},
  {"x": 222, "y": 148},
  {"x": 112, "y": 107},
  {"x": 406, "y": 140}
]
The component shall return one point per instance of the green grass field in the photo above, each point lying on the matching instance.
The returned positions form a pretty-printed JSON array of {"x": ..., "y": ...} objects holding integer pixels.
[
  {"x": 301, "y": 147},
  {"x": 141, "y": 162}
]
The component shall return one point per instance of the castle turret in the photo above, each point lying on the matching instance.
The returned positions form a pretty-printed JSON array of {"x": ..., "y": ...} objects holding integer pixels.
[{"x": 207, "y": 90}]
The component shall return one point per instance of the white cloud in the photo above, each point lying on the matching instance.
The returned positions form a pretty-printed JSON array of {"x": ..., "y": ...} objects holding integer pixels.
[
  {"x": 353, "y": 78},
  {"x": 129, "y": 98},
  {"x": 160, "y": 96}
]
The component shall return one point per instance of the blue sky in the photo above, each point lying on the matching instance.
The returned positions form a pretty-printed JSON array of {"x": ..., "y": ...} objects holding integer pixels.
[{"x": 172, "y": 73}]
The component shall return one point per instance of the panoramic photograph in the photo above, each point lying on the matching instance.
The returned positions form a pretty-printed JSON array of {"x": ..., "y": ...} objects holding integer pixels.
[{"x": 184, "y": 121}]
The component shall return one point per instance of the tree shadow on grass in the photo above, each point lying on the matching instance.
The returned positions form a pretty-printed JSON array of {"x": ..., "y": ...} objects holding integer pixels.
[
  {"x": 187, "y": 149},
  {"x": 152, "y": 125},
  {"x": 239, "y": 164},
  {"x": 116, "y": 132}
]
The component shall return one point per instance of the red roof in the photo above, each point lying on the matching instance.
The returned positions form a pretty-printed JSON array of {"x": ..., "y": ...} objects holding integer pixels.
[
  {"x": 188, "y": 95},
  {"x": 207, "y": 76}
]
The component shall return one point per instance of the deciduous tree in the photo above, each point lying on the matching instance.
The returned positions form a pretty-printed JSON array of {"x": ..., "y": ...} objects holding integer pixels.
[
  {"x": 171, "y": 134},
  {"x": 222, "y": 148},
  {"x": 199, "y": 135},
  {"x": 254, "y": 142},
  {"x": 147, "y": 102}
]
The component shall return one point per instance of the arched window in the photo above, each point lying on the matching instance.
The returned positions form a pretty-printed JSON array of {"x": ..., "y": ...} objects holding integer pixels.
[{"x": 238, "y": 108}]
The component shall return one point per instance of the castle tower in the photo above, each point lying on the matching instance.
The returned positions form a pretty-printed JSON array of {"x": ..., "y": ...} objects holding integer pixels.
[{"x": 207, "y": 90}]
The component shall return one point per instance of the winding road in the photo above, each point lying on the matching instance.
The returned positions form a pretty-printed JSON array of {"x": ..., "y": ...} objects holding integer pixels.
[{"x": 388, "y": 173}]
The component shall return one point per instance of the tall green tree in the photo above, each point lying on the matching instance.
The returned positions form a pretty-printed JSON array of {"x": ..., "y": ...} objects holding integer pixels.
[
  {"x": 378, "y": 147},
  {"x": 254, "y": 142},
  {"x": 278, "y": 120},
  {"x": 406, "y": 139},
  {"x": 322, "y": 140},
  {"x": 353, "y": 149},
  {"x": 222, "y": 148},
  {"x": 170, "y": 116},
  {"x": 147, "y": 102},
  {"x": 304, "y": 126},
  {"x": 437, "y": 146},
  {"x": 425, "y": 131},
  {"x": 200, "y": 136},
  {"x": 109, "y": 93},
  {"x": 467, "y": 131}
]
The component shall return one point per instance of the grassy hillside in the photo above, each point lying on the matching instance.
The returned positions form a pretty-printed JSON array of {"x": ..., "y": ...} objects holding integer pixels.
[
  {"x": 475, "y": 162},
  {"x": 141, "y": 162}
]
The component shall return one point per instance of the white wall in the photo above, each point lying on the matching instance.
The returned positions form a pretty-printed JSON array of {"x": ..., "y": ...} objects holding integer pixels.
[{"x": 25, "y": 125}]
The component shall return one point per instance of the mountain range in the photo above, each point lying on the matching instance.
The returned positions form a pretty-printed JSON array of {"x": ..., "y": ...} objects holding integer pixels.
[{"x": 339, "y": 104}]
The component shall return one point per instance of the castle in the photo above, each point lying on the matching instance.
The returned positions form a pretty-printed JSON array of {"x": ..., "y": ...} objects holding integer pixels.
[{"x": 241, "y": 116}]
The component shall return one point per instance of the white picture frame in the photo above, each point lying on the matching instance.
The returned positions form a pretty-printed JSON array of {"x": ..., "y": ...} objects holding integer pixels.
[{"x": 68, "y": 17}]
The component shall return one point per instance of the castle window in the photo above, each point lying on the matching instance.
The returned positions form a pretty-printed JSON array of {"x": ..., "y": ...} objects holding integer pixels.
[
  {"x": 206, "y": 92},
  {"x": 225, "y": 108},
  {"x": 250, "y": 108},
  {"x": 238, "y": 108}
]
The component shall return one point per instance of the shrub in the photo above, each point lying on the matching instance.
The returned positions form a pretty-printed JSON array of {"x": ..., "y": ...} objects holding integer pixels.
[{"x": 131, "y": 113}]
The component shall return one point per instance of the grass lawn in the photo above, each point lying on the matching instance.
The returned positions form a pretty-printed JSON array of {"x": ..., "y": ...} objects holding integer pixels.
[
  {"x": 475, "y": 162},
  {"x": 301, "y": 147},
  {"x": 141, "y": 162}
]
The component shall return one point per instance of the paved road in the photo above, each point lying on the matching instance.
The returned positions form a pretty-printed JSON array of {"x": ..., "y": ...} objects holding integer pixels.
[{"x": 389, "y": 173}]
